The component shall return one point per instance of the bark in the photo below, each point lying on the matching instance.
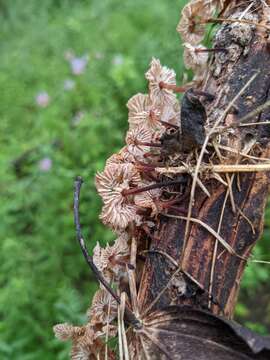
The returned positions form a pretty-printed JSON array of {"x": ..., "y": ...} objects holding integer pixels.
[{"x": 227, "y": 74}]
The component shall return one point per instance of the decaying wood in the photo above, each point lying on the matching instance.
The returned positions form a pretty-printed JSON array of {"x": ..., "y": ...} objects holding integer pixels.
[
  {"x": 177, "y": 283},
  {"x": 241, "y": 229}
]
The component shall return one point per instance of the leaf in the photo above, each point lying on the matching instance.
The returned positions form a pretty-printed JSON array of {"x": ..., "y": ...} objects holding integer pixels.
[{"x": 180, "y": 332}]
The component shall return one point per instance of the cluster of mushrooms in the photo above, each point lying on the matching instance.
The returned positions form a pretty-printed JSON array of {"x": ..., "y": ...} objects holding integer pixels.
[{"x": 133, "y": 194}]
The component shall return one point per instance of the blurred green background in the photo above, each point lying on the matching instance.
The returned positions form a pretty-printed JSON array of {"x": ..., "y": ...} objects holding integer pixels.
[{"x": 67, "y": 71}]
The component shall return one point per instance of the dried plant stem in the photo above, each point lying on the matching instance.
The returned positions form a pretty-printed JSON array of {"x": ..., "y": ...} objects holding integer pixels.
[
  {"x": 211, "y": 231},
  {"x": 232, "y": 21},
  {"x": 241, "y": 168},
  {"x": 122, "y": 324},
  {"x": 260, "y": 262},
  {"x": 255, "y": 112},
  {"x": 229, "y": 182},
  {"x": 250, "y": 115},
  {"x": 199, "y": 182},
  {"x": 197, "y": 169},
  {"x": 234, "y": 151},
  {"x": 254, "y": 124},
  {"x": 150, "y": 187},
  {"x": 77, "y": 188},
  {"x": 215, "y": 250},
  {"x": 247, "y": 220},
  {"x": 149, "y": 144},
  {"x": 120, "y": 340},
  {"x": 129, "y": 316},
  {"x": 107, "y": 329},
  {"x": 132, "y": 278},
  {"x": 175, "y": 88},
  {"x": 210, "y": 50}
]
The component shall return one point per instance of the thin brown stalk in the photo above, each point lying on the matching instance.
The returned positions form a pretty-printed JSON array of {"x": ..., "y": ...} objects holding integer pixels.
[
  {"x": 120, "y": 340},
  {"x": 199, "y": 182},
  {"x": 107, "y": 330},
  {"x": 234, "y": 151},
  {"x": 227, "y": 168},
  {"x": 254, "y": 123},
  {"x": 248, "y": 221},
  {"x": 211, "y": 231},
  {"x": 232, "y": 21},
  {"x": 122, "y": 324},
  {"x": 132, "y": 278},
  {"x": 229, "y": 182},
  {"x": 138, "y": 190},
  {"x": 129, "y": 316},
  {"x": 213, "y": 264},
  {"x": 260, "y": 262},
  {"x": 175, "y": 88}
]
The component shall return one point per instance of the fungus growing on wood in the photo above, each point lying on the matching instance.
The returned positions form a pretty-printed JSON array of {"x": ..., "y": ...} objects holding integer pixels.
[{"x": 186, "y": 172}]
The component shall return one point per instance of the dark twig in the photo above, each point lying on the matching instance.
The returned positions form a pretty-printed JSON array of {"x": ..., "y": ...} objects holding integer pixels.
[{"x": 129, "y": 316}]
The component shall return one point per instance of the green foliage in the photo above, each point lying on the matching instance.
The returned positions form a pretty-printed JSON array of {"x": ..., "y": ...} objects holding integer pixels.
[{"x": 43, "y": 277}]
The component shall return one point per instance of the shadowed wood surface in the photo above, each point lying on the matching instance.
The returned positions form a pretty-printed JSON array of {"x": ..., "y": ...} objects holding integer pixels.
[{"x": 240, "y": 229}]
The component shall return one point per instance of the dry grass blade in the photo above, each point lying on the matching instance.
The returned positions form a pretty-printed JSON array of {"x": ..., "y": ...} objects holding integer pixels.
[
  {"x": 211, "y": 231},
  {"x": 215, "y": 250},
  {"x": 241, "y": 168},
  {"x": 248, "y": 221},
  {"x": 122, "y": 324},
  {"x": 229, "y": 182},
  {"x": 234, "y": 151},
  {"x": 132, "y": 278},
  {"x": 234, "y": 168},
  {"x": 107, "y": 328},
  {"x": 254, "y": 124},
  {"x": 219, "y": 179},
  {"x": 255, "y": 112},
  {"x": 197, "y": 169},
  {"x": 200, "y": 184},
  {"x": 232, "y": 21},
  {"x": 120, "y": 341},
  {"x": 261, "y": 262}
]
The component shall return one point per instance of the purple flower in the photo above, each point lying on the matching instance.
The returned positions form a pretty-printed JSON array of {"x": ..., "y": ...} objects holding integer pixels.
[
  {"x": 78, "y": 64},
  {"x": 42, "y": 99},
  {"x": 69, "y": 84},
  {"x": 45, "y": 164}
]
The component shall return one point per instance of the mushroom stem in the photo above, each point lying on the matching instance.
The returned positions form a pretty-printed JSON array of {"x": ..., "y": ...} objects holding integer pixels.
[
  {"x": 138, "y": 190},
  {"x": 142, "y": 143},
  {"x": 175, "y": 88},
  {"x": 211, "y": 50}
]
